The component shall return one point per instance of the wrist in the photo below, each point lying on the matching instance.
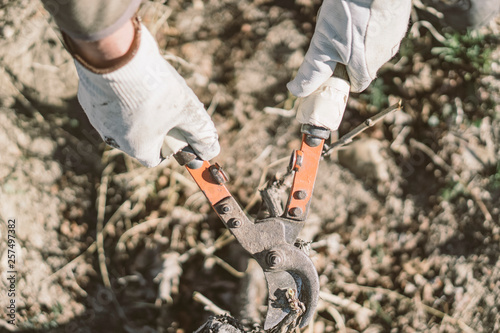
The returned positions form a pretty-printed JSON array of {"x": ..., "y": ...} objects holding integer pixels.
[{"x": 109, "y": 53}]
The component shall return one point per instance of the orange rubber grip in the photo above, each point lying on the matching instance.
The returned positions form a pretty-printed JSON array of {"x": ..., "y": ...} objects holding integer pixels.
[{"x": 303, "y": 181}]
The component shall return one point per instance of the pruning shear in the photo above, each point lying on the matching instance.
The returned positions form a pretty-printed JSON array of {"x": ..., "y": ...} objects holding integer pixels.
[
  {"x": 288, "y": 270},
  {"x": 292, "y": 279}
]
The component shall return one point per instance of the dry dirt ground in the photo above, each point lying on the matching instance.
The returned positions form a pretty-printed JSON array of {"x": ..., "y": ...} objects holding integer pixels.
[{"x": 404, "y": 222}]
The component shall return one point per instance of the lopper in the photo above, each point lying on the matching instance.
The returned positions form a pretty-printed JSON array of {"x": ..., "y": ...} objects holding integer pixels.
[{"x": 292, "y": 279}]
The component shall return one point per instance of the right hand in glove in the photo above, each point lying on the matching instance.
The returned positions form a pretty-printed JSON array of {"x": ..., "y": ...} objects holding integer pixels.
[
  {"x": 146, "y": 105},
  {"x": 360, "y": 34}
]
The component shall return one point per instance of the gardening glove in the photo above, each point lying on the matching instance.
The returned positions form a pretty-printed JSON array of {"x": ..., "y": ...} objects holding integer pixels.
[
  {"x": 145, "y": 105},
  {"x": 360, "y": 34}
]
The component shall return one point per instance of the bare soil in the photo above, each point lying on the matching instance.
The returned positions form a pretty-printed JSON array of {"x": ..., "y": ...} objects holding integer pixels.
[{"x": 404, "y": 223}]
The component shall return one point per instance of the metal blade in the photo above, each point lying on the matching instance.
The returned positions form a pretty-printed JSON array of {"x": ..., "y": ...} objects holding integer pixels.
[
  {"x": 277, "y": 284},
  {"x": 296, "y": 272}
]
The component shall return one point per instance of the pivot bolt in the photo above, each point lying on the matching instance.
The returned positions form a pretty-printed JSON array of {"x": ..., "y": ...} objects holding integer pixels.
[
  {"x": 235, "y": 223},
  {"x": 273, "y": 259},
  {"x": 224, "y": 209},
  {"x": 295, "y": 211},
  {"x": 300, "y": 195}
]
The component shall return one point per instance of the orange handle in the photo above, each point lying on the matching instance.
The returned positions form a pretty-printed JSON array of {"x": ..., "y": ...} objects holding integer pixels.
[
  {"x": 204, "y": 177},
  {"x": 306, "y": 167}
]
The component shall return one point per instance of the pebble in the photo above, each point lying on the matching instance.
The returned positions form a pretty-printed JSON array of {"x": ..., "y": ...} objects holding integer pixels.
[
  {"x": 7, "y": 32},
  {"x": 437, "y": 284},
  {"x": 427, "y": 294},
  {"x": 410, "y": 289},
  {"x": 459, "y": 294},
  {"x": 449, "y": 289},
  {"x": 419, "y": 280},
  {"x": 462, "y": 271}
]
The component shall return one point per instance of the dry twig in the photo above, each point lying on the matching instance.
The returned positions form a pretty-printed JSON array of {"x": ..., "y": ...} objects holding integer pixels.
[
  {"x": 270, "y": 194},
  {"x": 168, "y": 279},
  {"x": 418, "y": 4},
  {"x": 473, "y": 191},
  {"x": 370, "y": 122},
  {"x": 230, "y": 269},
  {"x": 363, "y": 315},
  {"x": 209, "y": 305},
  {"x": 414, "y": 30},
  {"x": 124, "y": 211},
  {"x": 457, "y": 322},
  {"x": 338, "y": 318},
  {"x": 173, "y": 58},
  {"x": 8, "y": 327},
  {"x": 262, "y": 182},
  {"x": 279, "y": 111},
  {"x": 101, "y": 208},
  {"x": 208, "y": 252},
  {"x": 144, "y": 227},
  {"x": 290, "y": 322}
]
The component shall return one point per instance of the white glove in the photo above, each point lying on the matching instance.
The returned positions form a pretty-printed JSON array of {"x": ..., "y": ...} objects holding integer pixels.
[
  {"x": 145, "y": 103},
  {"x": 361, "y": 34},
  {"x": 325, "y": 107}
]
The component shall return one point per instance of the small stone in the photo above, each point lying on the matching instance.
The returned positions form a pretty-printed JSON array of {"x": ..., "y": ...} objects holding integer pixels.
[
  {"x": 427, "y": 294},
  {"x": 433, "y": 121},
  {"x": 449, "y": 289},
  {"x": 162, "y": 181},
  {"x": 459, "y": 294},
  {"x": 410, "y": 289},
  {"x": 419, "y": 280},
  {"x": 7, "y": 32},
  {"x": 461, "y": 271}
]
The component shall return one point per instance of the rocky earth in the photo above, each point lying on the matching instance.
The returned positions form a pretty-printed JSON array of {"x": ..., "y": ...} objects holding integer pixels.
[{"x": 404, "y": 223}]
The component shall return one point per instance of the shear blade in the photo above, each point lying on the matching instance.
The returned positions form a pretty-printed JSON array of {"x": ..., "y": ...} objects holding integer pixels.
[
  {"x": 299, "y": 275},
  {"x": 278, "y": 283}
]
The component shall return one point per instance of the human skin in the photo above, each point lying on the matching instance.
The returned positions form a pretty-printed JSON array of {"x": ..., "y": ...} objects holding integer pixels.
[{"x": 106, "y": 52}]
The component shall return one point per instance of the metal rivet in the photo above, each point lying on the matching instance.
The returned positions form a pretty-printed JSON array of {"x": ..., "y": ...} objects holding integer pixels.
[
  {"x": 295, "y": 211},
  {"x": 300, "y": 195},
  {"x": 273, "y": 259},
  {"x": 224, "y": 209},
  {"x": 235, "y": 223}
]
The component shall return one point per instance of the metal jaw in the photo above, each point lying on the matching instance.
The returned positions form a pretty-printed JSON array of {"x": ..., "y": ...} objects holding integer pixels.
[{"x": 271, "y": 241}]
